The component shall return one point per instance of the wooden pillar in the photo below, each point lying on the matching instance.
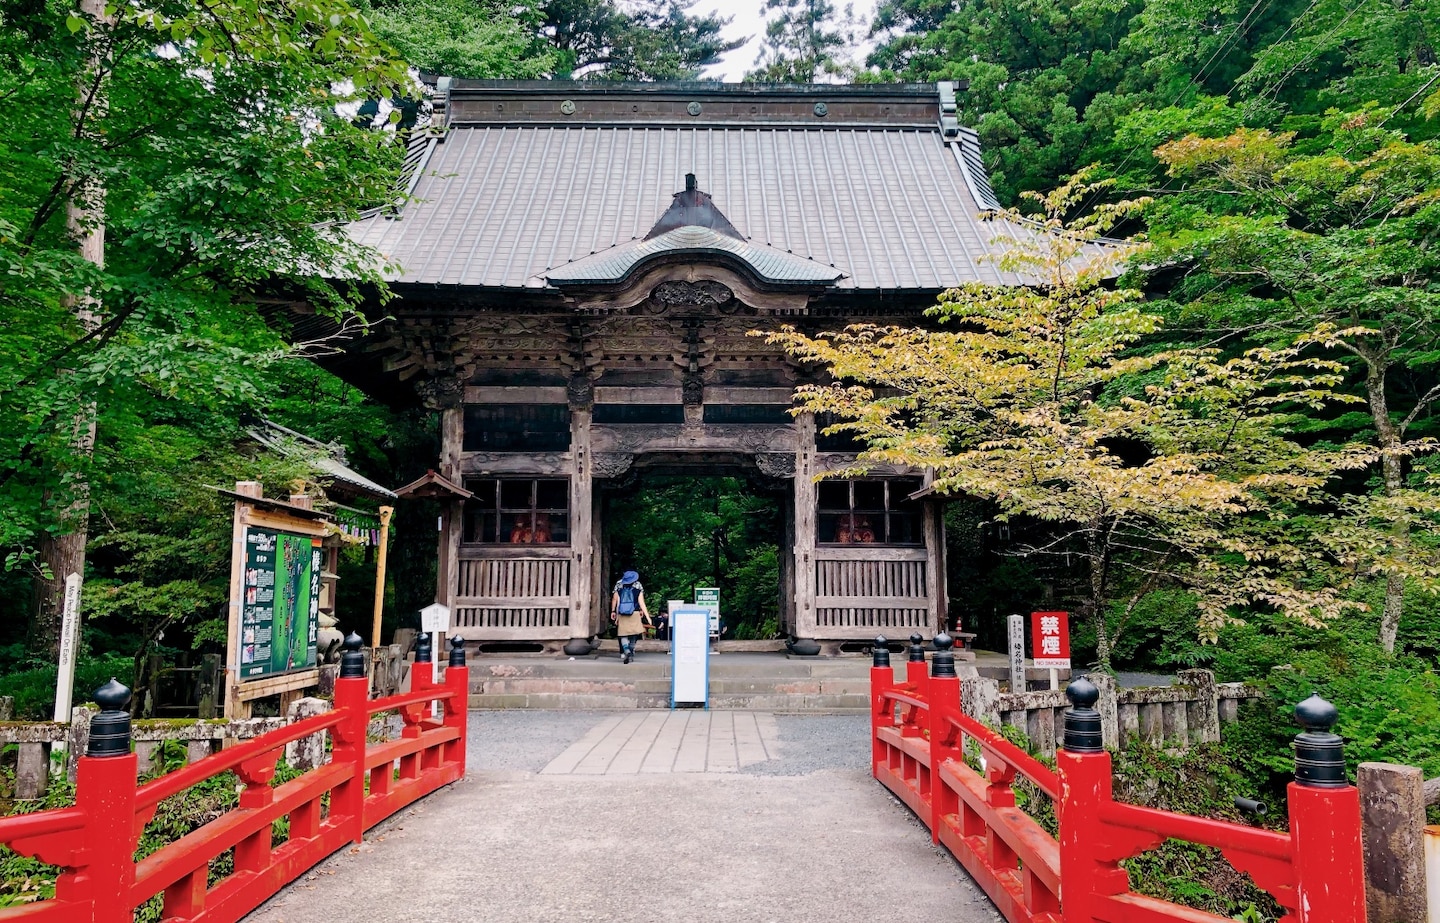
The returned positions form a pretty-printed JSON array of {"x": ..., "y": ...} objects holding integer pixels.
[
  {"x": 787, "y": 567},
  {"x": 804, "y": 559},
  {"x": 1392, "y": 826},
  {"x": 599, "y": 563},
  {"x": 452, "y": 519},
  {"x": 234, "y": 708},
  {"x": 582, "y": 533},
  {"x": 934, "y": 524}
]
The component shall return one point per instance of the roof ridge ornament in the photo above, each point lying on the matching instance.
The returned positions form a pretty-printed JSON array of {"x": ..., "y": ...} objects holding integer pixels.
[{"x": 692, "y": 208}]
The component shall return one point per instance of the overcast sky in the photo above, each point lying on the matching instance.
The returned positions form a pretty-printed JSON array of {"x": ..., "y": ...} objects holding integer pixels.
[{"x": 750, "y": 20}]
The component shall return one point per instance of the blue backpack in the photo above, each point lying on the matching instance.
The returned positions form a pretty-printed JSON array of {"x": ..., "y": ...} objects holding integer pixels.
[{"x": 627, "y": 599}]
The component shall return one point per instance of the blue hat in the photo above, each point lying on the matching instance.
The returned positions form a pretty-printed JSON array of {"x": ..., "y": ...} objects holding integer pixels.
[{"x": 629, "y": 576}]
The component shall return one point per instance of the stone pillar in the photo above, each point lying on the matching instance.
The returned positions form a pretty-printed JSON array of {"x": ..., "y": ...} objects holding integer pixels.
[
  {"x": 1108, "y": 705},
  {"x": 582, "y": 535},
  {"x": 805, "y": 499},
  {"x": 308, "y": 752},
  {"x": 1392, "y": 823},
  {"x": 1204, "y": 713}
]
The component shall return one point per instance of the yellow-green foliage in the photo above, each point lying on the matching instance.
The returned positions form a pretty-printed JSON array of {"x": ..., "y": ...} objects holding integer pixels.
[{"x": 1043, "y": 399}]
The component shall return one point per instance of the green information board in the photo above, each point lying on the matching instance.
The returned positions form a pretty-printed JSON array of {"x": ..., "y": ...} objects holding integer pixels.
[
  {"x": 279, "y": 603},
  {"x": 709, "y": 597}
]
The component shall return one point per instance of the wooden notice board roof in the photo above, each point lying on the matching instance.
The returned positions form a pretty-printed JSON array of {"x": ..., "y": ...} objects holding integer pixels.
[{"x": 433, "y": 485}]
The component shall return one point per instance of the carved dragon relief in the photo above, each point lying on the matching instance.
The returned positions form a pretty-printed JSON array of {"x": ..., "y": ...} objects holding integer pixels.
[{"x": 678, "y": 295}]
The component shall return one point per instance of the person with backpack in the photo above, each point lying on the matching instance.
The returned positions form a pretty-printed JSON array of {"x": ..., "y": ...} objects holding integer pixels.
[{"x": 628, "y": 612}]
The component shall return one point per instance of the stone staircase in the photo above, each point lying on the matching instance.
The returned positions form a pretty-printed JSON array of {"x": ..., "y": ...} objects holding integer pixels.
[{"x": 771, "y": 682}]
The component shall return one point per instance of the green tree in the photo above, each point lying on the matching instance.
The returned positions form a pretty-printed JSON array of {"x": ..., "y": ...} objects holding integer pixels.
[
  {"x": 803, "y": 41},
  {"x": 203, "y": 159},
  {"x": 645, "y": 40},
  {"x": 475, "y": 39},
  {"x": 1334, "y": 247},
  {"x": 1158, "y": 468}
]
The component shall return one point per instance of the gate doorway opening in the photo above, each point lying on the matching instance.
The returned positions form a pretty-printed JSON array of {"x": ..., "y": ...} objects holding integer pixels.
[{"x": 685, "y": 531}]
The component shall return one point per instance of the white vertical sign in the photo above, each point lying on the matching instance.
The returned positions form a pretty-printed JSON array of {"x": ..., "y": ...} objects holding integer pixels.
[
  {"x": 1017, "y": 652},
  {"x": 689, "y": 663},
  {"x": 435, "y": 620},
  {"x": 69, "y": 642}
]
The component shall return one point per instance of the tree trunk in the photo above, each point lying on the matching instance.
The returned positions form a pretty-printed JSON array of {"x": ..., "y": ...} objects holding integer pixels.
[
  {"x": 63, "y": 551},
  {"x": 1392, "y": 469},
  {"x": 1099, "y": 565}
]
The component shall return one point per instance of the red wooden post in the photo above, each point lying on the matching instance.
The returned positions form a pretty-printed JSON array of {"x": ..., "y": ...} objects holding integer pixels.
[
  {"x": 882, "y": 713},
  {"x": 457, "y": 679},
  {"x": 1085, "y": 784},
  {"x": 916, "y": 673},
  {"x": 1325, "y": 822},
  {"x": 352, "y": 695},
  {"x": 105, "y": 785},
  {"x": 944, "y": 703}
]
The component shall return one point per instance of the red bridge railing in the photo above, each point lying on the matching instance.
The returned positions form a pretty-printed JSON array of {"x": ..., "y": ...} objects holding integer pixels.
[
  {"x": 922, "y": 748},
  {"x": 330, "y": 806}
]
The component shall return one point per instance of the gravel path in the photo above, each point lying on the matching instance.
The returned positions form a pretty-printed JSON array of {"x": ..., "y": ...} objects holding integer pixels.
[{"x": 804, "y": 837}]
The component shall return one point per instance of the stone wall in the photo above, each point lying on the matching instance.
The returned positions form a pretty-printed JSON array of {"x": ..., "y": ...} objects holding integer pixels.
[
  {"x": 1191, "y": 711},
  {"x": 43, "y": 747}
]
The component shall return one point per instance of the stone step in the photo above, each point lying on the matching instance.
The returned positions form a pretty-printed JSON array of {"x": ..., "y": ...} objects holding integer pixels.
[
  {"x": 737, "y": 680},
  {"x": 823, "y": 703},
  {"x": 661, "y": 686}
]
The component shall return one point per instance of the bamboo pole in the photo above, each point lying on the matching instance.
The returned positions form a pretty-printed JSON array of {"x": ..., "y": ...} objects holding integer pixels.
[{"x": 385, "y": 513}]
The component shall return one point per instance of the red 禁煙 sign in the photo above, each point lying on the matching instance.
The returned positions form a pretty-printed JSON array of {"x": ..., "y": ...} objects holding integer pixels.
[{"x": 1050, "y": 639}]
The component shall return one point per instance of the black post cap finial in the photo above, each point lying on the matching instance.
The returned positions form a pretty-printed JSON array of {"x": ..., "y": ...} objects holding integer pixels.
[
  {"x": 880, "y": 653},
  {"x": 1319, "y": 753},
  {"x": 1082, "y": 721},
  {"x": 917, "y": 647},
  {"x": 943, "y": 665},
  {"x": 352, "y": 658},
  {"x": 110, "y": 730},
  {"x": 424, "y": 649},
  {"x": 457, "y": 651}
]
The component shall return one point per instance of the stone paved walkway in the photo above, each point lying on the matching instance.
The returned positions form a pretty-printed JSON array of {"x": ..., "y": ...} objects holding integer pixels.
[{"x": 711, "y": 817}]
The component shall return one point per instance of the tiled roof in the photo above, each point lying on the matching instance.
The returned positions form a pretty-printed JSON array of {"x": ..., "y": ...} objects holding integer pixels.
[{"x": 512, "y": 205}]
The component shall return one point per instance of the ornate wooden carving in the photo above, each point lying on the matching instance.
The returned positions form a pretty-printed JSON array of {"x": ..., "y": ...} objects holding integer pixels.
[
  {"x": 775, "y": 465},
  {"x": 580, "y": 392},
  {"x": 441, "y": 393},
  {"x": 610, "y": 464},
  {"x": 678, "y": 294},
  {"x": 692, "y": 388}
]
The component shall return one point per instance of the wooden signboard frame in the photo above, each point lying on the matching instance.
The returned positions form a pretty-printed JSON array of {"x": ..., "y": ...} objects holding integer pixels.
[{"x": 253, "y": 510}]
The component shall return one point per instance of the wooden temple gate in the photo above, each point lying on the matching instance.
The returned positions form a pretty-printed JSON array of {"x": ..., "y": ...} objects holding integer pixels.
[{"x": 586, "y": 275}]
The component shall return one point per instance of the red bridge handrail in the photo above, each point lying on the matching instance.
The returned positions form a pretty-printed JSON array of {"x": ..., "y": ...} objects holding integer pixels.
[
  {"x": 173, "y": 783},
  {"x": 402, "y": 699},
  {"x": 902, "y": 697},
  {"x": 41, "y": 823},
  {"x": 1028, "y": 766},
  {"x": 1314, "y": 871},
  {"x": 328, "y": 807}
]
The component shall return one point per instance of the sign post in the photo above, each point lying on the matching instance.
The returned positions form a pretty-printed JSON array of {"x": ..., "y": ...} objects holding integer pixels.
[
  {"x": 1050, "y": 634},
  {"x": 1016, "y": 625},
  {"x": 69, "y": 643},
  {"x": 434, "y": 621}
]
